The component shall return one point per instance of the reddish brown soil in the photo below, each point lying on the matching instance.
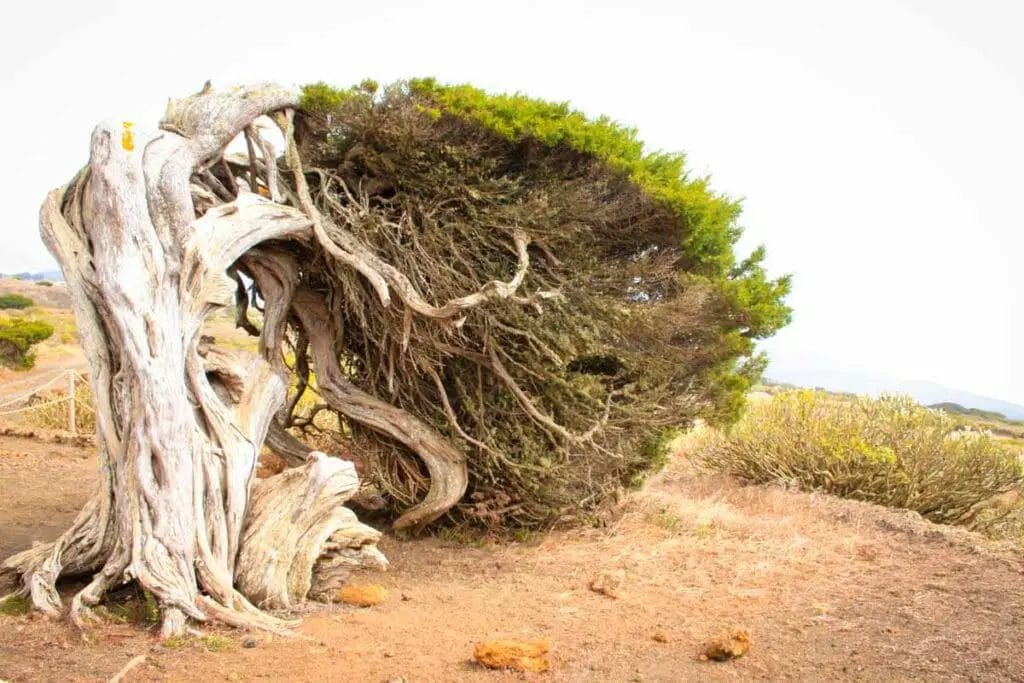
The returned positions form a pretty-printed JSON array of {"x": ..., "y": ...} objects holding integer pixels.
[{"x": 826, "y": 588}]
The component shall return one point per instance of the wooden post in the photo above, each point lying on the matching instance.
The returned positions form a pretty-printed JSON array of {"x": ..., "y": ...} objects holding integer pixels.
[{"x": 71, "y": 402}]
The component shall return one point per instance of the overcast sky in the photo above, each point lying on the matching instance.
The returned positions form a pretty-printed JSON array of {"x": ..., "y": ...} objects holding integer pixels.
[{"x": 878, "y": 145}]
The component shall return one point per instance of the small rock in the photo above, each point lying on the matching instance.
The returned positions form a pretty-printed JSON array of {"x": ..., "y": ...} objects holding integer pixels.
[
  {"x": 363, "y": 596},
  {"x": 726, "y": 645},
  {"x": 233, "y": 677},
  {"x": 660, "y": 636},
  {"x": 519, "y": 655},
  {"x": 609, "y": 583},
  {"x": 249, "y": 642},
  {"x": 398, "y": 679},
  {"x": 270, "y": 464}
]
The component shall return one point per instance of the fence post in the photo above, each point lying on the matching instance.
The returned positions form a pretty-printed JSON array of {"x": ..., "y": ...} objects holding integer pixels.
[{"x": 71, "y": 402}]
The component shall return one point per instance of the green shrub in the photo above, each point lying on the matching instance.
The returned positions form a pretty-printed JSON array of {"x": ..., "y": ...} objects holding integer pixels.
[
  {"x": 559, "y": 407},
  {"x": 889, "y": 451},
  {"x": 15, "y": 606},
  {"x": 44, "y": 283},
  {"x": 16, "y": 301},
  {"x": 139, "y": 608},
  {"x": 17, "y": 338}
]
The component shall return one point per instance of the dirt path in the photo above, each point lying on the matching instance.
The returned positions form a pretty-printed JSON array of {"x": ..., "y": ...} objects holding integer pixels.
[
  {"x": 827, "y": 588},
  {"x": 16, "y": 384}
]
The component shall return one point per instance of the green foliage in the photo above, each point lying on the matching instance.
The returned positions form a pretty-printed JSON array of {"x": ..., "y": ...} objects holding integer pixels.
[
  {"x": 44, "y": 283},
  {"x": 654, "y": 456},
  {"x": 654, "y": 324},
  {"x": 322, "y": 98},
  {"x": 756, "y": 301},
  {"x": 15, "y": 606},
  {"x": 708, "y": 221},
  {"x": 140, "y": 608},
  {"x": 211, "y": 642},
  {"x": 15, "y": 301},
  {"x": 888, "y": 451},
  {"x": 17, "y": 338}
]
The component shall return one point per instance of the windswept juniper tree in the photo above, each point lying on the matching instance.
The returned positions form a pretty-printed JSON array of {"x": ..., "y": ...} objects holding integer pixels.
[{"x": 505, "y": 305}]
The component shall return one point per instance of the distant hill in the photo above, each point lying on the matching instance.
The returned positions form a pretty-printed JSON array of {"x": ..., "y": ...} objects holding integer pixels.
[
  {"x": 51, "y": 275},
  {"x": 963, "y": 410},
  {"x": 53, "y": 296},
  {"x": 813, "y": 371}
]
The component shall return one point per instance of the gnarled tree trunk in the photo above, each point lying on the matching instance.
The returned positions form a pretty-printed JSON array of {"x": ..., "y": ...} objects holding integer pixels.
[{"x": 146, "y": 236}]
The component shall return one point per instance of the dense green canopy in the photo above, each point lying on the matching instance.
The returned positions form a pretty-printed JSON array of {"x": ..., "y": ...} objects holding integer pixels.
[{"x": 632, "y": 317}]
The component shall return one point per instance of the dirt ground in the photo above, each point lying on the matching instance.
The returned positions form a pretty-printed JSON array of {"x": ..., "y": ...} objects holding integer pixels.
[{"x": 828, "y": 589}]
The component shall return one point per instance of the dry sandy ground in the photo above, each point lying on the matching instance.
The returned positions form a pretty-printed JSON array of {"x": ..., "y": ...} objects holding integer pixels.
[
  {"x": 53, "y": 296},
  {"x": 828, "y": 589}
]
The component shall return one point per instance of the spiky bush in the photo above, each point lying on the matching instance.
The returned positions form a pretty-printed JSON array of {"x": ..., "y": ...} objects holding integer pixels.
[{"x": 889, "y": 451}]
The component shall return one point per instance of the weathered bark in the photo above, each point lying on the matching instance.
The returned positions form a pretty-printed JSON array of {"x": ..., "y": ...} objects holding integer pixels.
[
  {"x": 300, "y": 539},
  {"x": 446, "y": 464},
  {"x": 155, "y": 234},
  {"x": 291, "y": 450},
  {"x": 179, "y": 427}
]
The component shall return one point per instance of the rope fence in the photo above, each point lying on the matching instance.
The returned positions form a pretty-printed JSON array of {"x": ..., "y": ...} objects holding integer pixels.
[{"x": 71, "y": 399}]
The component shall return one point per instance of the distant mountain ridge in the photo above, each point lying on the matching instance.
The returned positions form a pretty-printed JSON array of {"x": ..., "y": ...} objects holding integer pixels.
[
  {"x": 52, "y": 275},
  {"x": 810, "y": 371},
  {"x": 963, "y": 410}
]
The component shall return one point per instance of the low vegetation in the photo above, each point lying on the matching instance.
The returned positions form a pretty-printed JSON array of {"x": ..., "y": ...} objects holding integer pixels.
[
  {"x": 889, "y": 451},
  {"x": 139, "y": 607},
  {"x": 17, "y": 337},
  {"x": 15, "y": 301},
  {"x": 213, "y": 642},
  {"x": 46, "y": 411},
  {"x": 15, "y": 606}
]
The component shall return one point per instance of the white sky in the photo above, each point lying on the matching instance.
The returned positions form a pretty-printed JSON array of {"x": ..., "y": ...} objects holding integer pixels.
[{"x": 879, "y": 145}]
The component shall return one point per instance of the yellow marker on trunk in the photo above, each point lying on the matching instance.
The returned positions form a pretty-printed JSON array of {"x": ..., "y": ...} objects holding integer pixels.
[{"x": 127, "y": 139}]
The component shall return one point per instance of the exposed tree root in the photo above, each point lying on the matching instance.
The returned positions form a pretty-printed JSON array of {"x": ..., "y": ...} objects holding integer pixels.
[
  {"x": 180, "y": 424},
  {"x": 297, "y": 524},
  {"x": 445, "y": 463}
]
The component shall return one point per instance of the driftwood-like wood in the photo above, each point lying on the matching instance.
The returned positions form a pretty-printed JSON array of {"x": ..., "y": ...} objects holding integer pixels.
[
  {"x": 160, "y": 230},
  {"x": 300, "y": 539},
  {"x": 148, "y": 238}
]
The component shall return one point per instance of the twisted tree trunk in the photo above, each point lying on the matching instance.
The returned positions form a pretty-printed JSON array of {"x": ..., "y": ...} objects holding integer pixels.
[{"x": 180, "y": 425}]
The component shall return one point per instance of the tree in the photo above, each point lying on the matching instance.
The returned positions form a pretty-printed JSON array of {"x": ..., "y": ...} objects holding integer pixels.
[
  {"x": 17, "y": 337},
  {"x": 504, "y": 304}
]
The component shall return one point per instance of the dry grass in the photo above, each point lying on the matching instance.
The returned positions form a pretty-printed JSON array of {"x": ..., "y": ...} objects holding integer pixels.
[
  {"x": 44, "y": 413},
  {"x": 212, "y": 642},
  {"x": 828, "y": 588},
  {"x": 888, "y": 451}
]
